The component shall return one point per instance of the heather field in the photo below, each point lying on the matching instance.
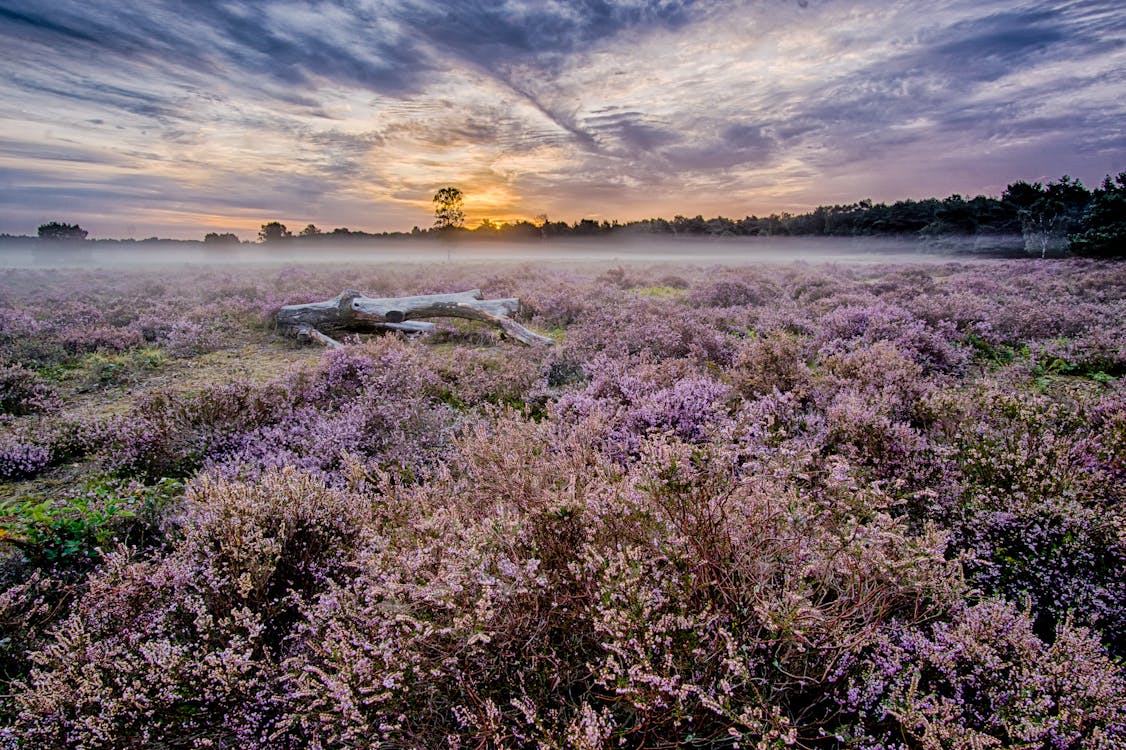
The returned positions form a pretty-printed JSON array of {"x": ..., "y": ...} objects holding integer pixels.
[{"x": 814, "y": 505}]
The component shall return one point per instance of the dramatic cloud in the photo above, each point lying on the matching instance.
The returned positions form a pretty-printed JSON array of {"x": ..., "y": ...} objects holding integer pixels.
[{"x": 178, "y": 118}]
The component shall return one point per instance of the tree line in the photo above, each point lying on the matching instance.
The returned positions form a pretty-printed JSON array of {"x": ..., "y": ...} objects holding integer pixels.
[
  {"x": 1055, "y": 218},
  {"x": 1050, "y": 219}
]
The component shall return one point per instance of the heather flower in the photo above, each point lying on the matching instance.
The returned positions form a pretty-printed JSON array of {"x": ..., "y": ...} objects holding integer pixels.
[
  {"x": 23, "y": 392},
  {"x": 986, "y": 679},
  {"x": 21, "y": 457},
  {"x": 729, "y": 293},
  {"x": 933, "y": 347},
  {"x": 638, "y": 326},
  {"x": 866, "y": 506},
  {"x": 770, "y": 362},
  {"x": 188, "y": 644},
  {"x": 633, "y": 405}
]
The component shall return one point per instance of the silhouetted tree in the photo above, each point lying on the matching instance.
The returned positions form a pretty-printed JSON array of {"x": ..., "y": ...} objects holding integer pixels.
[
  {"x": 310, "y": 230},
  {"x": 1104, "y": 221},
  {"x": 952, "y": 216},
  {"x": 57, "y": 231},
  {"x": 273, "y": 232},
  {"x": 448, "y": 213},
  {"x": 522, "y": 230},
  {"x": 695, "y": 225},
  {"x": 1021, "y": 195},
  {"x": 214, "y": 238},
  {"x": 585, "y": 228}
]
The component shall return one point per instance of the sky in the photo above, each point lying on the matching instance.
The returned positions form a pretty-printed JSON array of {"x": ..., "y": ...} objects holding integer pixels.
[{"x": 173, "y": 118}]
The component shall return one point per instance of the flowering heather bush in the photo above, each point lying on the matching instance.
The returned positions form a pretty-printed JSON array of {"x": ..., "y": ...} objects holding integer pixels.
[
  {"x": 369, "y": 403},
  {"x": 188, "y": 645},
  {"x": 730, "y": 293},
  {"x": 790, "y": 506},
  {"x": 17, "y": 325},
  {"x": 633, "y": 400},
  {"x": 768, "y": 582},
  {"x": 21, "y": 457},
  {"x": 1100, "y": 353},
  {"x": 644, "y": 326},
  {"x": 486, "y": 376},
  {"x": 556, "y": 305},
  {"x": 23, "y": 340},
  {"x": 1102, "y": 452},
  {"x": 1040, "y": 518},
  {"x": 101, "y": 338},
  {"x": 22, "y": 392},
  {"x": 770, "y": 362},
  {"x": 934, "y": 348},
  {"x": 171, "y": 433},
  {"x": 986, "y": 680},
  {"x": 187, "y": 338},
  {"x": 1055, "y": 554}
]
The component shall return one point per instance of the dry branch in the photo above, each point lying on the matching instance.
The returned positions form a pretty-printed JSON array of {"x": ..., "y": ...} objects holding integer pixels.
[{"x": 351, "y": 311}]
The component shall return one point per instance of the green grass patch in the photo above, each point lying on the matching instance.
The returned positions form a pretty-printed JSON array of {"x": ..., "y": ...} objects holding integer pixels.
[
  {"x": 659, "y": 291},
  {"x": 996, "y": 355},
  {"x": 77, "y": 528},
  {"x": 100, "y": 370}
]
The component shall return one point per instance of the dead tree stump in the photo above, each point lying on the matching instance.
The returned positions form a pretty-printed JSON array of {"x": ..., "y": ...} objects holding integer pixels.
[{"x": 351, "y": 311}]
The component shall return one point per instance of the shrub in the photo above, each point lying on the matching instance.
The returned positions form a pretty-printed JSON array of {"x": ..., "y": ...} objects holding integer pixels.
[
  {"x": 477, "y": 377},
  {"x": 645, "y": 326},
  {"x": 1062, "y": 558},
  {"x": 661, "y": 532},
  {"x": 727, "y": 293},
  {"x": 23, "y": 392},
  {"x": 21, "y": 457},
  {"x": 933, "y": 348},
  {"x": 370, "y": 404},
  {"x": 187, "y": 645},
  {"x": 632, "y": 402},
  {"x": 1038, "y": 509},
  {"x": 773, "y": 361},
  {"x": 986, "y": 680},
  {"x": 769, "y": 583},
  {"x": 101, "y": 338}
]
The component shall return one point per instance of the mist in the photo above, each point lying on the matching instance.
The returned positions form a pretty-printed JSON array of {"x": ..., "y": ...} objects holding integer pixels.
[{"x": 741, "y": 251}]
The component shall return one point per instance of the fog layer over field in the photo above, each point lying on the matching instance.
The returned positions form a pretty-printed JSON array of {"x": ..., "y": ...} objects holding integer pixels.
[{"x": 732, "y": 252}]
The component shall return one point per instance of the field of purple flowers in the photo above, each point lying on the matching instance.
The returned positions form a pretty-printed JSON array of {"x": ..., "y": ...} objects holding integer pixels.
[{"x": 819, "y": 506}]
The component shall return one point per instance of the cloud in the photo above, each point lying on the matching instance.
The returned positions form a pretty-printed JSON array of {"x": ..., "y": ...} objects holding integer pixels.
[
  {"x": 36, "y": 23},
  {"x": 358, "y": 109},
  {"x": 387, "y": 47}
]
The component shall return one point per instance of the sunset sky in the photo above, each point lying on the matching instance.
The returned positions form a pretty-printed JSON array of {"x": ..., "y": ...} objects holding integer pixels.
[{"x": 158, "y": 117}]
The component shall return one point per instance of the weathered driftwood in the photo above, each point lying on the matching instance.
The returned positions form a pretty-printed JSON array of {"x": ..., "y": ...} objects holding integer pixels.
[{"x": 351, "y": 311}]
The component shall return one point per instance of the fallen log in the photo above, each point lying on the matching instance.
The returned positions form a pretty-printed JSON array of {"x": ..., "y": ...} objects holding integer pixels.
[{"x": 351, "y": 311}]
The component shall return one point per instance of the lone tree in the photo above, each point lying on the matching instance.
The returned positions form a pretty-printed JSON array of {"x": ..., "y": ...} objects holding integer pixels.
[
  {"x": 56, "y": 231},
  {"x": 448, "y": 213},
  {"x": 273, "y": 232}
]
